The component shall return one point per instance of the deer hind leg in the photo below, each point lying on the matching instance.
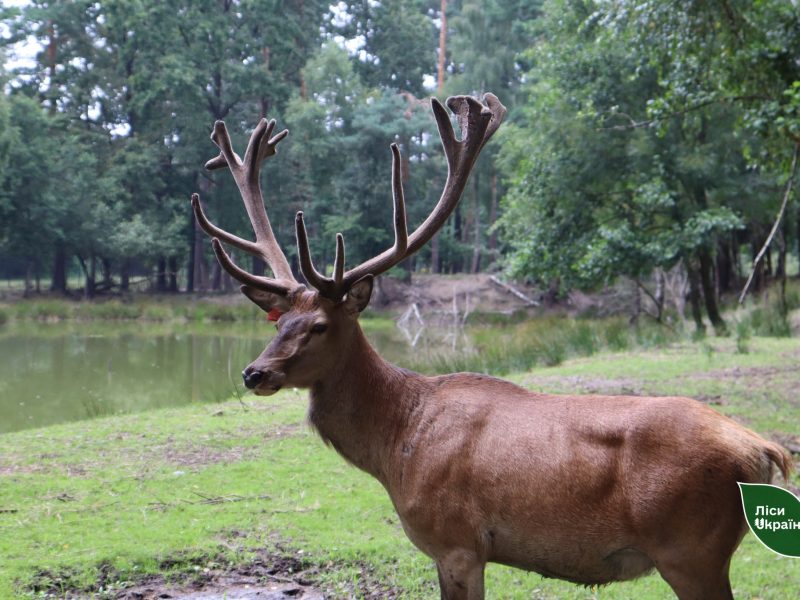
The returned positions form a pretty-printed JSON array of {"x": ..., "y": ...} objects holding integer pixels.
[
  {"x": 460, "y": 576},
  {"x": 700, "y": 571},
  {"x": 693, "y": 583}
]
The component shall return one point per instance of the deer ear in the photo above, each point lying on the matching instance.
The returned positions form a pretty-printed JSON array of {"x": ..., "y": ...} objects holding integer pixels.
[
  {"x": 359, "y": 295},
  {"x": 266, "y": 301}
]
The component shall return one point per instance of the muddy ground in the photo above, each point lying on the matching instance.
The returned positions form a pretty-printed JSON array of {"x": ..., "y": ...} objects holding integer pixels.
[{"x": 270, "y": 576}]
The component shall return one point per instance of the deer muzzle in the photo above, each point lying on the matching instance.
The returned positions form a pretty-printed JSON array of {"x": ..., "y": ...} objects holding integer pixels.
[{"x": 263, "y": 382}]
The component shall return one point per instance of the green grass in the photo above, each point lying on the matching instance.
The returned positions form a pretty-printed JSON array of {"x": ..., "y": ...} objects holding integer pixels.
[
  {"x": 544, "y": 341},
  {"x": 143, "y": 308},
  {"x": 132, "y": 493}
]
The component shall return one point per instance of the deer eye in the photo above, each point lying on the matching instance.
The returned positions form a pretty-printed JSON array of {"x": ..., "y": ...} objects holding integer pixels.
[{"x": 319, "y": 328}]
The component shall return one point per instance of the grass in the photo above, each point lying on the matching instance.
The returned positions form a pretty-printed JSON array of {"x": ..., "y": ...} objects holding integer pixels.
[
  {"x": 143, "y": 308},
  {"x": 174, "y": 490},
  {"x": 544, "y": 341}
]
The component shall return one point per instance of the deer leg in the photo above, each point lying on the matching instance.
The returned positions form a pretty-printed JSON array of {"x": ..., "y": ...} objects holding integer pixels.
[
  {"x": 693, "y": 583},
  {"x": 460, "y": 576}
]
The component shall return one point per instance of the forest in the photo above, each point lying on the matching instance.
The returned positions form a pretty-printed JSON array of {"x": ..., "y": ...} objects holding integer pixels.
[{"x": 645, "y": 140}]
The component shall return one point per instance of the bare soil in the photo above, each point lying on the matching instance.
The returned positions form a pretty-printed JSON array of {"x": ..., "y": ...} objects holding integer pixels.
[
  {"x": 270, "y": 576},
  {"x": 443, "y": 293}
]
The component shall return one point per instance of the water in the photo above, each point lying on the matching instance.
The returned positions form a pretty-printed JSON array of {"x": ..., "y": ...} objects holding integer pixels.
[{"x": 52, "y": 373}]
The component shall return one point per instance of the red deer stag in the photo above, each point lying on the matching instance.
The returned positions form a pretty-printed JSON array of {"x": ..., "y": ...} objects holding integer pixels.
[{"x": 590, "y": 489}]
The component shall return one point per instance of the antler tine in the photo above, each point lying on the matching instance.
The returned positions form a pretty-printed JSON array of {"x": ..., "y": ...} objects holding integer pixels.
[
  {"x": 329, "y": 287},
  {"x": 215, "y": 232},
  {"x": 478, "y": 122},
  {"x": 338, "y": 261},
  {"x": 263, "y": 283},
  {"x": 400, "y": 224},
  {"x": 246, "y": 175},
  {"x": 335, "y": 287}
]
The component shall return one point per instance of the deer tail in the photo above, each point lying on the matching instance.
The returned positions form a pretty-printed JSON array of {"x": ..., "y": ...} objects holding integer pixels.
[{"x": 780, "y": 456}]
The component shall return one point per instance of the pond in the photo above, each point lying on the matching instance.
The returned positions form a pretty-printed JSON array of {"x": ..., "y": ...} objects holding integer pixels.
[{"x": 56, "y": 372}]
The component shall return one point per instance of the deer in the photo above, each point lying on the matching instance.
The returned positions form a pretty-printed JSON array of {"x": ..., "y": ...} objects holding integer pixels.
[{"x": 589, "y": 489}]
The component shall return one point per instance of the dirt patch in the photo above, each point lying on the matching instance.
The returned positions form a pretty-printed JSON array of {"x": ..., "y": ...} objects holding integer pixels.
[
  {"x": 194, "y": 458},
  {"x": 441, "y": 293},
  {"x": 746, "y": 372},
  {"x": 580, "y": 384},
  {"x": 181, "y": 455},
  {"x": 270, "y": 576}
]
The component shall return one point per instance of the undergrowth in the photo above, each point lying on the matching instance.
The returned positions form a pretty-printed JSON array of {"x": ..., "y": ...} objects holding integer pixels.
[
  {"x": 544, "y": 341},
  {"x": 144, "y": 309}
]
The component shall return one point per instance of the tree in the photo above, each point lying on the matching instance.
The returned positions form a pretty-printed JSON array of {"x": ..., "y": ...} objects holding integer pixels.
[{"x": 591, "y": 197}]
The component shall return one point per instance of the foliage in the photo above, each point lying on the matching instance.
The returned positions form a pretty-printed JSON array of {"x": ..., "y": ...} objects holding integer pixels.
[
  {"x": 639, "y": 137},
  {"x": 634, "y": 147}
]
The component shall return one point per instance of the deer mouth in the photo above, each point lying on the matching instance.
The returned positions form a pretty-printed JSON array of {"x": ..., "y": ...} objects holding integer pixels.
[
  {"x": 267, "y": 390},
  {"x": 270, "y": 384}
]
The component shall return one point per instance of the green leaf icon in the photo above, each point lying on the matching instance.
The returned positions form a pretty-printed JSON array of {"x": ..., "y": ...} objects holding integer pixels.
[{"x": 773, "y": 515}]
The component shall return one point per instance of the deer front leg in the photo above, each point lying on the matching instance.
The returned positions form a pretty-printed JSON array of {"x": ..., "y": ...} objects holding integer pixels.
[{"x": 460, "y": 576}]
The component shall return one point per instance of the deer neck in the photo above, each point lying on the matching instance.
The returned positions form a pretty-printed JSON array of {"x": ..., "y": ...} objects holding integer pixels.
[{"x": 365, "y": 406}]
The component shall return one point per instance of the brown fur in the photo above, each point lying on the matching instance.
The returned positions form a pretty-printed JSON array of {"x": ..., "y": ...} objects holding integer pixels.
[{"x": 590, "y": 489}]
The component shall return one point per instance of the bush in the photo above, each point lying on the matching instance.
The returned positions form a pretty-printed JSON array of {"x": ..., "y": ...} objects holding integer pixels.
[
  {"x": 43, "y": 309},
  {"x": 742, "y": 337},
  {"x": 617, "y": 335},
  {"x": 769, "y": 321},
  {"x": 108, "y": 310}
]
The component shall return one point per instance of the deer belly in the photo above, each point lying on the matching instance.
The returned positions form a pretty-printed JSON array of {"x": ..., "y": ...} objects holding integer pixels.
[{"x": 576, "y": 559}]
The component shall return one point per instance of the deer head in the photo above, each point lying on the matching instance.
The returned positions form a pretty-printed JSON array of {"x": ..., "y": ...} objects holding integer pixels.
[{"x": 316, "y": 326}]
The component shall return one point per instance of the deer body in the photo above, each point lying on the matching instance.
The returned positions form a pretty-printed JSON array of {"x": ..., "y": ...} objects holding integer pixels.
[
  {"x": 573, "y": 487},
  {"x": 590, "y": 489}
]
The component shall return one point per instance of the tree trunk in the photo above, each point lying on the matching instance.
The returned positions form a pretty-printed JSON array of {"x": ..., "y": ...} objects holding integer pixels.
[
  {"x": 28, "y": 277},
  {"x": 105, "y": 267},
  {"x": 660, "y": 295},
  {"x": 707, "y": 283},
  {"x": 784, "y": 305},
  {"x": 192, "y": 233},
  {"x": 797, "y": 233},
  {"x": 724, "y": 266},
  {"x": 161, "y": 275},
  {"x": 456, "y": 262},
  {"x": 200, "y": 266},
  {"x": 476, "y": 243},
  {"x": 550, "y": 297},
  {"x": 768, "y": 272},
  {"x": 258, "y": 267},
  {"x": 694, "y": 299},
  {"x": 435, "y": 253},
  {"x": 216, "y": 276},
  {"x": 172, "y": 265},
  {"x": 758, "y": 276},
  {"x": 89, "y": 272},
  {"x": 59, "y": 281},
  {"x": 125, "y": 275},
  {"x": 637, "y": 302},
  {"x": 442, "y": 58},
  {"x": 493, "y": 213}
]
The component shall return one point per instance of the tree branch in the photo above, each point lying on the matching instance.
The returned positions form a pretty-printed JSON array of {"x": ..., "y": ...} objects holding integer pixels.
[{"x": 778, "y": 219}]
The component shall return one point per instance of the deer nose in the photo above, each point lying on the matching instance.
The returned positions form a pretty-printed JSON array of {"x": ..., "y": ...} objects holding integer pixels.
[{"x": 251, "y": 377}]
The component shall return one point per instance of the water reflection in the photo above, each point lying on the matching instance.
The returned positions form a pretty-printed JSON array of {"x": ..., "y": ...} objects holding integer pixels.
[
  {"x": 53, "y": 376},
  {"x": 51, "y": 373}
]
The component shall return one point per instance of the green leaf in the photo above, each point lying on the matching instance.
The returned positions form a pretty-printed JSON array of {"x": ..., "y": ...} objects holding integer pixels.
[{"x": 773, "y": 515}]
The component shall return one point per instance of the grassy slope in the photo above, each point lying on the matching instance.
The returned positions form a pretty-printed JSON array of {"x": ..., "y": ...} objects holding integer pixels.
[{"x": 133, "y": 491}]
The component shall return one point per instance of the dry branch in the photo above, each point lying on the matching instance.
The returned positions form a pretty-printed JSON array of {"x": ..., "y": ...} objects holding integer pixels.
[{"x": 778, "y": 219}]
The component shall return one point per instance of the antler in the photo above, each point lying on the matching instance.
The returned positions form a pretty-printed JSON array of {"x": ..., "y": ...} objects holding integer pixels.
[
  {"x": 478, "y": 122},
  {"x": 246, "y": 174}
]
